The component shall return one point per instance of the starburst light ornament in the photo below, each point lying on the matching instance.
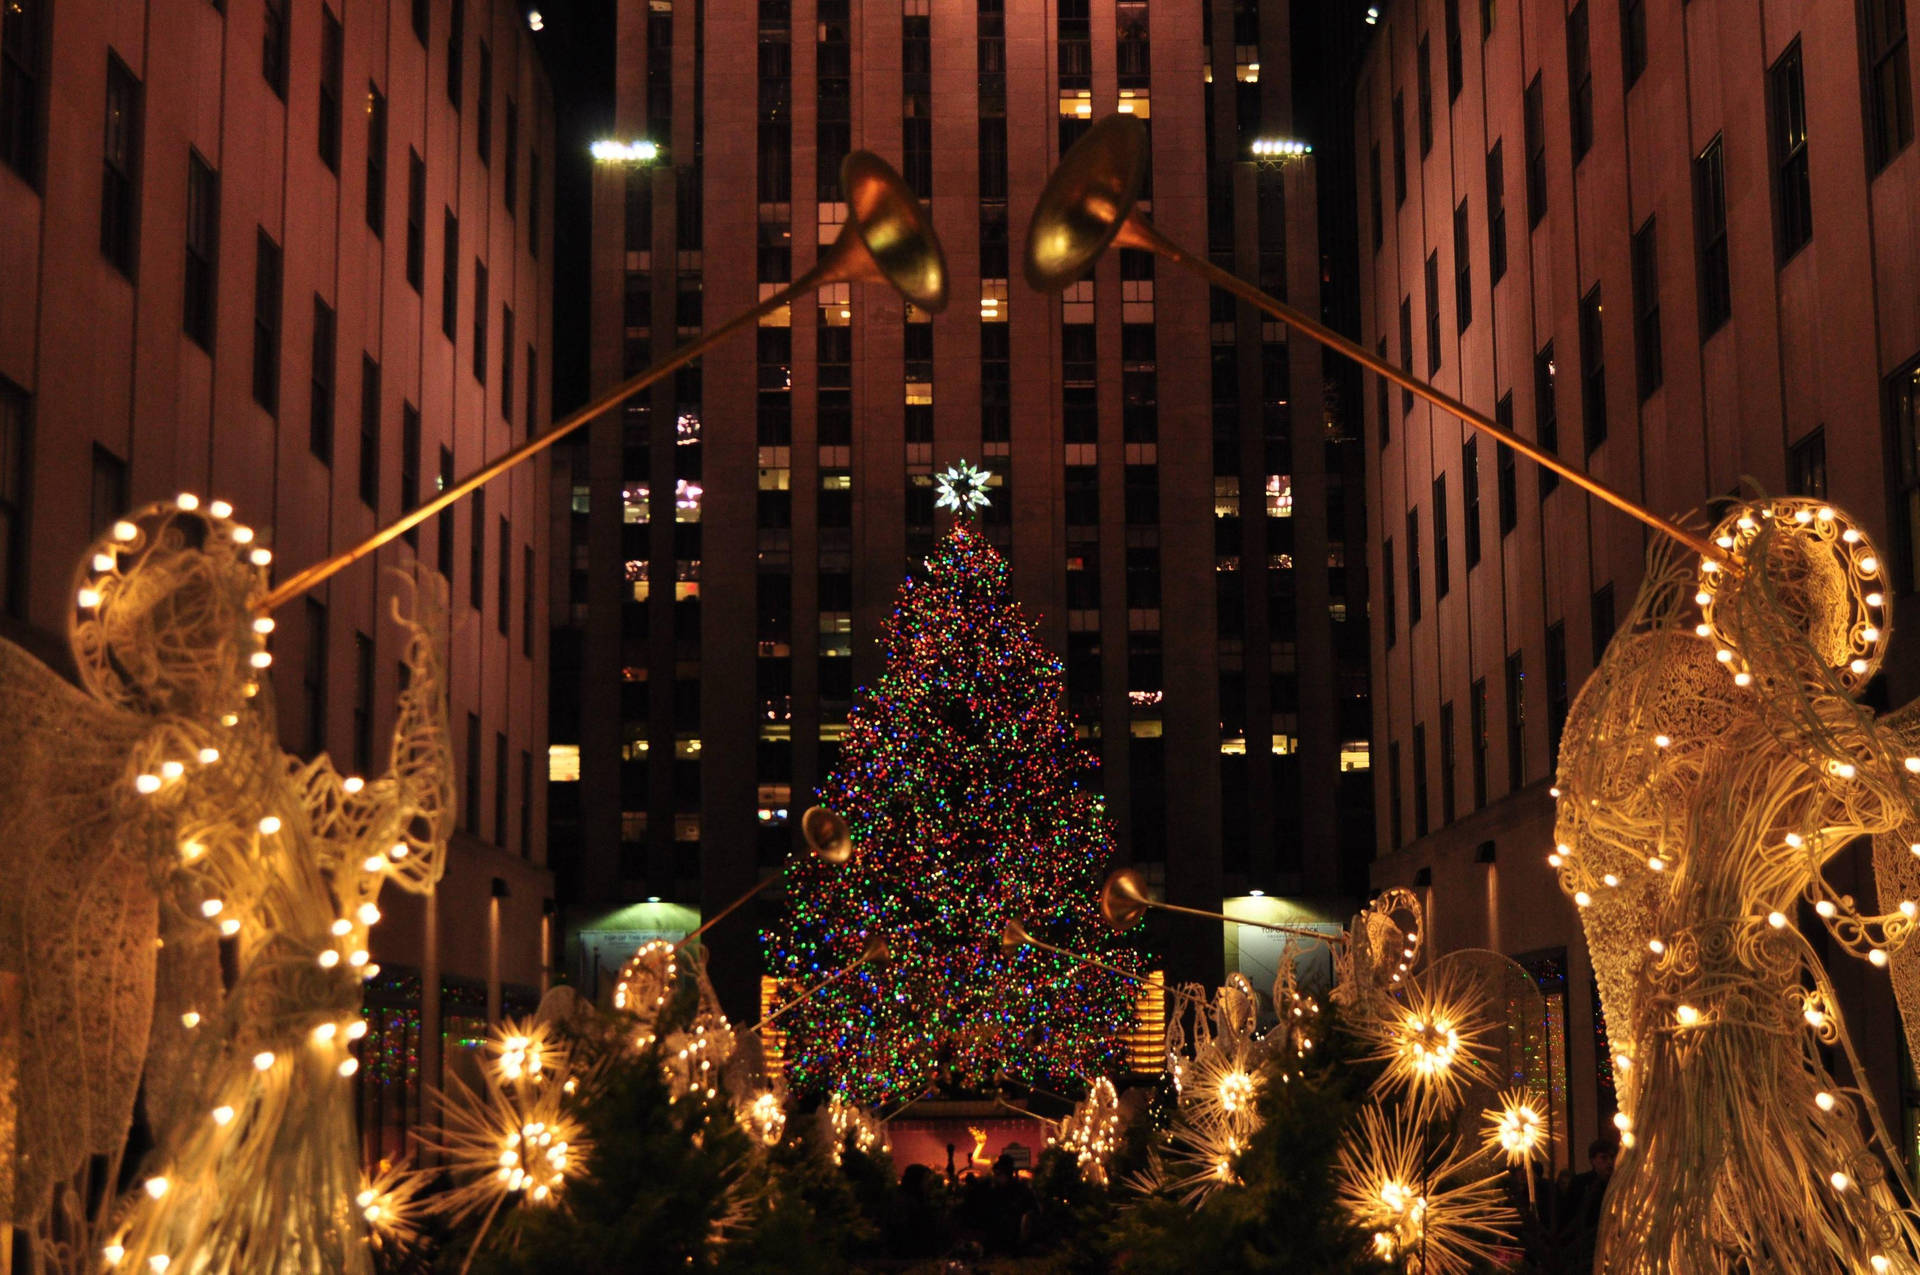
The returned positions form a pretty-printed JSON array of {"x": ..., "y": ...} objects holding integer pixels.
[{"x": 962, "y": 488}]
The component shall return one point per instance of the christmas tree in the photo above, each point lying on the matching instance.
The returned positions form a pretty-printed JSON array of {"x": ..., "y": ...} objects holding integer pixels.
[{"x": 969, "y": 806}]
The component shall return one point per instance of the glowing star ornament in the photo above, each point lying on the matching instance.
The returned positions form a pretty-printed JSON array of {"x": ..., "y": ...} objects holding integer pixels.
[
  {"x": 962, "y": 488},
  {"x": 1422, "y": 1206}
]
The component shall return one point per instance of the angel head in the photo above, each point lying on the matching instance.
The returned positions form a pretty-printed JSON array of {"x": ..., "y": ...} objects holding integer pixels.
[{"x": 165, "y": 611}]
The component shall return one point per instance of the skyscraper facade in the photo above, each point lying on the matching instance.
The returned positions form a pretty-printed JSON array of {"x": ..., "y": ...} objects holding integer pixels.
[
  {"x": 1174, "y": 483},
  {"x": 1732, "y": 181},
  {"x": 295, "y": 255}
]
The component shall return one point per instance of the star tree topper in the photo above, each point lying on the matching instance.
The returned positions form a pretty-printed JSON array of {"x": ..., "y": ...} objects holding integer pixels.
[{"x": 962, "y": 488}]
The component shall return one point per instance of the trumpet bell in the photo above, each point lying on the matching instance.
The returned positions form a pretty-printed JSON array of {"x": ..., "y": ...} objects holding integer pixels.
[
  {"x": 1123, "y": 899},
  {"x": 827, "y": 835},
  {"x": 1013, "y": 936},
  {"x": 1086, "y": 202},
  {"x": 893, "y": 230}
]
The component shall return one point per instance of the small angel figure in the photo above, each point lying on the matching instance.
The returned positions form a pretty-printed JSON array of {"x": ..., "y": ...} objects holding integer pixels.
[
  {"x": 1710, "y": 768},
  {"x": 187, "y": 909}
]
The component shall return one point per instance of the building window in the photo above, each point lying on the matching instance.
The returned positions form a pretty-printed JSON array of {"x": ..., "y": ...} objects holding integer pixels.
[
  {"x": 477, "y": 551},
  {"x": 16, "y": 420},
  {"x": 1903, "y": 404},
  {"x": 533, "y": 391},
  {"x": 1455, "y": 70},
  {"x": 410, "y": 467},
  {"x": 273, "y": 48},
  {"x": 1390, "y": 598},
  {"x": 1470, "y": 497},
  {"x": 1462, "y": 270},
  {"x": 1496, "y": 215},
  {"x": 1477, "y": 723},
  {"x": 470, "y": 777},
  {"x": 1386, "y": 422},
  {"x": 321, "y": 402},
  {"x": 1506, "y": 474},
  {"x": 1593, "y": 372},
  {"x": 1420, "y": 779},
  {"x": 1710, "y": 215},
  {"x": 506, "y": 364},
  {"x": 533, "y": 204},
  {"x": 422, "y": 12},
  {"x": 1425, "y": 75},
  {"x": 503, "y": 620},
  {"x": 1413, "y": 568},
  {"x": 479, "y": 320},
  {"x": 1546, "y": 412},
  {"x": 1807, "y": 465},
  {"x": 456, "y": 51},
  {"x": 1442, "y": 564},
  {"x": 1399, "y": 149},
  {"x": 1633, "y": 39},
  {"x": 1373, "y": 197},
  {"x": 266, "y": 323},
  {"x": 1883, "y": 46},
  {"x": 203, "y": 245},
  {"x": 331, "y": 59},
  {"x": 443, "y": 522},
  {"x": 1406, "y": 351},
  {"x": 119, "y": 188},
  {"x": 483, "y": 107},
  {"x": 1792, "y": 193},
  {"x": 369, "y": 432},
  {"x": 376, "y": 161},
  {"x": 526, "y": 804},
  {"x": 1394, "y": 828},
  {"x": 1600, "y": 615},
  {"x": 510, "y": 162},
  {"x": 450, "y": 276},
  {"x": 1516, "y": 722},
  {"x": 1433, "y": 312},
  {"x": 1536, "y": 127},
  {"x": 1557, "y": 695},
  {"x": 313, "y": 679},
  {"x": 21, "y": 51},
  {"x": 526, "y": 600},
  {"x": 1580, "y": 80},
  {"x": 1646, "y": 309},
  {"x": 362, "y": 704},
  {"x": 416, "y": 219},
  {"x": 1446, "y": 763},
  {"x": 500, "y": 789}
]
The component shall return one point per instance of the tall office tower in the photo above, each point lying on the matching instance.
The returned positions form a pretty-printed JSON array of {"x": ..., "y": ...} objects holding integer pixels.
[
  {"x": 1174, "y": 518},
  {"x": 1736, "y": 190},
  {"x": 295, "y": 255}
]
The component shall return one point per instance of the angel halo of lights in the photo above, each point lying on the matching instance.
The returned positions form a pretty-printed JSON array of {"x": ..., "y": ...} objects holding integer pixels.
[{"x": 962, "y": 488}]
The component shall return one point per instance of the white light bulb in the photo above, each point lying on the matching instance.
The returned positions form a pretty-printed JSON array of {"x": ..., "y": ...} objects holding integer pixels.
[
  {"x": 328, "y": 959},
  {"x": 373, "y": 863},
  {"x": 1874, "y": 599},
  {"x": 113, "y": 1253},
  {"x": 1662, "y": 741},
  {"x": 124, "y": 530},
  {"x": 1825, "y": 907},
  {"x": 1824, "y": 1101},
  {"x": 222, "y": 1115},
  {"x": 349, "y": 1065},
  {"x": 356, "y": 1029},
  {"x": 260, "y": 659},
  {"x": 190, "y": 1019},
  {"x": 1877, "y": 958},
  {"x": 263, "y": 625},
  {"x": 1611, "y": 879},
  {"x": 1869, "y": 565},
  {"x": 358, "y": 958},
  {"x": 324, "y": 1033},
  {"x": 1743, "y": 679},
  {"x": 1840, "y": 1180},
  {"x": 208, "y": 756},
  {"x": 1554, "y": 861},
  {"x": 243, "y": 535},
  {"x": 230, "y": 926},
  {"x": 220, "y": 509},
  {"x": 263, "y": 1060},
  {"x": 1622, "y": 1121},
  {"x": 146, "y": 784},
  {"x": 1795, "y": 840},
  {"x": 187, "y": 500},
  {"x": 1778, "y": 920},
  {"x": 1657, "y": 864},
  {"x": 1656, "y": 946},
  {"x": 369, "y": 914},
  {"x": 103, "y": 562},
  {"x": 270, "y": 825},
  {"x": 260, "y": 557},
  {"x": 1581, "y": 898},
  {"x": 211, "y": 908},
  {"x": 1869, "y": 634},
  {"x": 1858, "y": 666},
  {"x": 156, "y": 1187},
  {"x": 352, "y": 784},
  {"x": 1686, "y": 1015},
  {"x": 159, "y": 1262},
  {"x": 342, "y": 927}
]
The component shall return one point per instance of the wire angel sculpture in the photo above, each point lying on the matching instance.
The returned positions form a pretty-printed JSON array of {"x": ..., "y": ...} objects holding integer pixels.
[
  {"x": 186, "y": 908},
  {"x": 1710, "y": 768}
]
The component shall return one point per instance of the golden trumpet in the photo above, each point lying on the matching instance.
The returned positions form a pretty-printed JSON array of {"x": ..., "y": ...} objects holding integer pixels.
[
  {"x": 876, "y": 952},
  {"x": 1089, "y": 204},
  {"x": 1124, "y": 900},
  {"x": 887, "y": 239},
  {"x": 826, "y": 835}
]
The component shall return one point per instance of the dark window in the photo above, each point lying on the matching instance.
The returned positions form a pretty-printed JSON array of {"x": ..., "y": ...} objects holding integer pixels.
[
  {"x": 1600, "y": 614},
  {"x": 1633, "y": 39},
  {"x": 480, "y": 321},
  {"x": 369, "y": 432},
  {"x": 483, "y": 107},
  {"x": 266, "y": 323},
  {"x": 504, "y": 611},
  {"x": 500, "y": 789},
  {"x": 1646, "y": 309},
  {"x": 1883, "y": 46},
  {"x": 16, "y": 420},
  {"x": 1380, "y": 407},
  {"x": 1442, "y": 556},
  {"x": 320, "y": 407},
  {"x": 1903, "y": 402},
  {"x": 119, "y": 188},
  {"x": 1406, "y": 351},
  {"x": 450, "y": 276},
  {"x": 273, "y": 48},
  {"x": 506, "y": 364},
  {"x": 533, "y": 390},
  {"x": 456, "y": 50},
  {"x": 916, "y": 152},
  {"x": 1446, "y": 763},
  {"x": 331, "y": 86},
  {"x": 362, "y": 703},
  {"x": 1393, "y": 795},
  {"x": 1477, "y": 723},
  {"x": 313, "y": 679},
  {"x": 1546, "y": 414},
  {"x": 422, "y": 11},
  {"x": 1710, "y": 216},
  {"x": 470, "y": 777},
  {"x": 443, "y": 522},
  {"x": 108, "y": 494},
  {"x": 1593, "y": 372},
  {"x": 203, "y": 250},
  {"x": 1580, "y": 80},
  {"x": 416, "y": 219},
  {"x": 1413, "y": 568},
  {"x": 526, "y": 803},
  {"x": 1425, "y": 74},
  {"x": 1433, "y": 312},
  {"x": 1536, "y": 126},
  {"x": 477, "y": 550},
  {"x": 376, "y": 161},
  {"x": 22, "y": 49},
  {"x": 410, "y": 466},
  {"x": 1454, "y": 67},
  {"x": 993, "y": 157},
  {"x": 510, "y": 162},
  {"x": 1390, "y": 591},
  {"x": 1807, "y": 465},
  {"x": 526, "y": 600},
  {"x": 1373, "y": 197},
  {"x": 1557, "y": 696},
  {"x": 1462, "y": 270},
  {"x": 1792, "y": 194},
  {"x": 1496, "y": 215},
  {"x": 1399, "y": 149},
  {"x": 1506, "y": 476},
  {"x": 1516, "y": 722},
  {"x": 1420, "y": 779},
  {"x": 1470, "y": 497},
  {"x": 533, "y": 203}
]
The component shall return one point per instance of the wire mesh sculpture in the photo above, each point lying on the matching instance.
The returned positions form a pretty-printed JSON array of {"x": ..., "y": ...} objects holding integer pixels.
[
  {"x": 188, "y": 909},
  {"x": 1711, "y": 767}
]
